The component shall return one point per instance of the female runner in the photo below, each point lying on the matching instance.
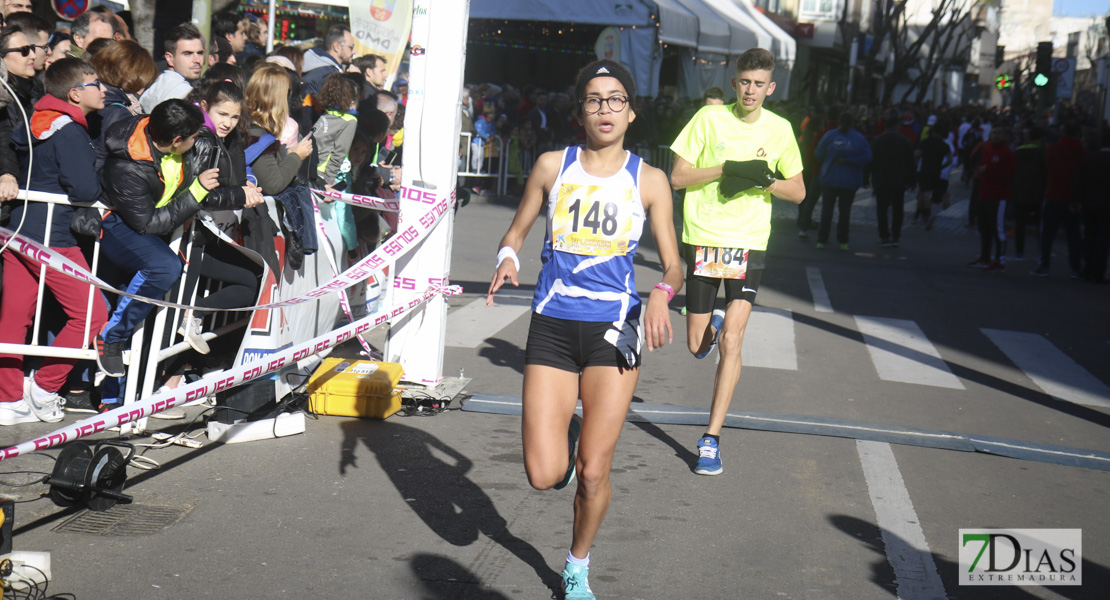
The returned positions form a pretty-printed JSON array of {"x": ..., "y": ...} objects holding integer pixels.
[{"x": 584, "y": 338}]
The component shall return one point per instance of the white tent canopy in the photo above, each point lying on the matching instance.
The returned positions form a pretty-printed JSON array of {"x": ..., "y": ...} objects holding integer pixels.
[
  {"x": 713, "y": 30},
  {"x": 677, "y": 25}
]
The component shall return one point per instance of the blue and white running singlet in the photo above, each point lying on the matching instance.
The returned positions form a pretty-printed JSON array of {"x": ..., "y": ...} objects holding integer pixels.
[{"x": 593, "y": 229}]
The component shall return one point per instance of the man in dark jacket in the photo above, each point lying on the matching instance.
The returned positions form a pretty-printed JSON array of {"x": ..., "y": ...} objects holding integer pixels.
[
  {"x": 1062, "y": 160},
  {"x": 1030, "y": 176},
  {"x": 338, "y": 48},
  {"x": 1091, "y": 189},
  {"x": 892, "y": 173},
  {"x": 151, "y": 192}
]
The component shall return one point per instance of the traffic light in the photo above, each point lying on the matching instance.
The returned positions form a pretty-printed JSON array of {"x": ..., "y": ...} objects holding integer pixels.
[
  {"x": 1003, "y": 81},
  {"x": 1044, "y": 79},
  {"x": 1043, "y": 73}
]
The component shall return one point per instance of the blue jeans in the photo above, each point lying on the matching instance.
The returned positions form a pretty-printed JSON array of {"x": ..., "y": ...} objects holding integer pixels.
[{"x": 156, "y": 268}]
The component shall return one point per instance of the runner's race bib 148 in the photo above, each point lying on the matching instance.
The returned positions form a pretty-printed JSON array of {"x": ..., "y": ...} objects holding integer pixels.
[
  {"x": 720, "y": 263},
  {"x": 592, "y": 220}
]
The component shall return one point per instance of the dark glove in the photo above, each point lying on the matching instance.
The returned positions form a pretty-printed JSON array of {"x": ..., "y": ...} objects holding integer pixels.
[
  {"x": 731, "y": 186},
  {"x": 755, "y": 170}
]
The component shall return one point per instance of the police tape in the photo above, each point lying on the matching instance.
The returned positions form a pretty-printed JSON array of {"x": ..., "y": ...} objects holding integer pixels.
[
  {"x": 344, "y": 301},
  {"x": 222, "y": 380},
  {"x": 397, "y": 246},
  {"x": 360, "y": 200}
]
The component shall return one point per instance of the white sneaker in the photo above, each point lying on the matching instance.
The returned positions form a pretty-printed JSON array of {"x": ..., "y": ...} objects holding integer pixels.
[
  {"x": 170, "y": 414},
  {"x": 14, "y": 413},
  {"x": 47, "y": 406},
  {"x": 191, "y": 329}
]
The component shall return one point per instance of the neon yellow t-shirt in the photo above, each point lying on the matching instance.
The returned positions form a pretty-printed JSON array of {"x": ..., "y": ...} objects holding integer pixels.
[{"x": 715, "y": 135}]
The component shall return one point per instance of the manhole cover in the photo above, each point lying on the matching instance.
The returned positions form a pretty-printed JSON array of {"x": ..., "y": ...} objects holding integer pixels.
[{"x": 124, "y": 520}]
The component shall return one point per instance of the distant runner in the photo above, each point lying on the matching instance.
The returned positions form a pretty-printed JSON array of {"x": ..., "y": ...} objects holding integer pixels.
[{"x": 726, "y": 159}]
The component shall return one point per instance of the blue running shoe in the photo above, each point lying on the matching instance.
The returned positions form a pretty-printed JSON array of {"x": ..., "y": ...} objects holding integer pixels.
[
  {"x": 576, "y": 586},
  {"x": 717, "y": 321},
  {"x": 709, "y": 457},
  {"x": 572, "y": 439}
]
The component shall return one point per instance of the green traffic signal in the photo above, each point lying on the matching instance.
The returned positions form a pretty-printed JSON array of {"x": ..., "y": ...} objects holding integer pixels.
[{"x": 1040, "y": 80}]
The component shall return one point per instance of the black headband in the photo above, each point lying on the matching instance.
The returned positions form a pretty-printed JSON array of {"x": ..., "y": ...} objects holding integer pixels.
[{"x": 605, "y": 68}]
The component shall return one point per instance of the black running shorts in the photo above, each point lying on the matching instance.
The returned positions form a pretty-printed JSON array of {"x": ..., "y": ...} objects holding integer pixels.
[
  {"x": 571, "y": 345},
  {"x": 701, "y": 292}
]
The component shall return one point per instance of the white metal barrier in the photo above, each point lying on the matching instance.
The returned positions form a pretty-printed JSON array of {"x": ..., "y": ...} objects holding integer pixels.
[
  {"x": 218, "y": 324},
  {"x": 475, "y": 159},
  {"x": 34, "y": 348}
]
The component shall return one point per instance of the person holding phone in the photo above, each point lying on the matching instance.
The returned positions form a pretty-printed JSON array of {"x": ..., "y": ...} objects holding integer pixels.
[
  {"x": 151, "y": 190},
  {"x": 220, "y": 146}
]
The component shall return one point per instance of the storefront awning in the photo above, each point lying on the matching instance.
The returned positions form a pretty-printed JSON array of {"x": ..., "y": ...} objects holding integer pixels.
[
  {"x": 787, "y": 47},
  {"x": 586, "y": 12},
  {"x": 677, "y": 25},
  {"x": 715, "y": 33}
]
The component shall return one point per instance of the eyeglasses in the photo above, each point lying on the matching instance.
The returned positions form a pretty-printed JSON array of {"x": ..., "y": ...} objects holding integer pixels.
[
  {"x": 592, "y": 105},
  {"x": 90, "y": 84},
  {"x": 41, "y": 46},
  {"x": 22, "y": 50}
]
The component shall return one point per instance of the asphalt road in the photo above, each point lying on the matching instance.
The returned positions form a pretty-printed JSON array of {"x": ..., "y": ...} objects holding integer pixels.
[{"x": 439, "y": 507}]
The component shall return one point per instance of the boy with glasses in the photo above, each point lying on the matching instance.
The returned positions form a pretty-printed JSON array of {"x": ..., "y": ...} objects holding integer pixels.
[{"x": 63, "y": 164}]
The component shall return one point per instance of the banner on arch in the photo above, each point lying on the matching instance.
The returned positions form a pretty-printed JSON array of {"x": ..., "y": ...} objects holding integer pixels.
[{"x": 382, "y": 27}]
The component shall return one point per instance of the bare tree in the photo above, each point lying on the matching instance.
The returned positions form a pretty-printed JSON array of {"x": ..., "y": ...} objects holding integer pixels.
[
  {"x": 142, "y": 17},
  {"x": 951, "y": 41},
  {"x": 919, "y": 50}
]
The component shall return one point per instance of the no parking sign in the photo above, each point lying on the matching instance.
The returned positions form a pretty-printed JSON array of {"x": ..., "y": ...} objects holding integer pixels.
[{"x": 69, "y": 9}]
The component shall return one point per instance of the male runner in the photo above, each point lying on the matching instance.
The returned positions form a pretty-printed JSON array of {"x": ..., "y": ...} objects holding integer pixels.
[{"x": 726, "y": 159}]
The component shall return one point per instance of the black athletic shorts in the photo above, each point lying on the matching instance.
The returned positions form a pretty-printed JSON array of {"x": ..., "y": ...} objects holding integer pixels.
[
  {"x": 571, "y": 345},
  {"x": 701, "y": 292}
]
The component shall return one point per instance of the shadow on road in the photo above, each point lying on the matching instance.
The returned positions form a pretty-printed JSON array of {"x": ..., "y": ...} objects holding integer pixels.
[
  {"x": 438, "y": 490},
  {"x": 680, "y": 450},
  {"x": 500, "y": 353},
  {"x": 1078, "y": 411},
  {"x": 1095, "y": 576},
  {"x": 446, "y": 579}
]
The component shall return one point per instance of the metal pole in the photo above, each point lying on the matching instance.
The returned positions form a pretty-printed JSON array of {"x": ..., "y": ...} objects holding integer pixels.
[
  {"x": 432, "y": 124},
  {"x": 202, "y": 18},
  {"x": 270, "y": 27}
]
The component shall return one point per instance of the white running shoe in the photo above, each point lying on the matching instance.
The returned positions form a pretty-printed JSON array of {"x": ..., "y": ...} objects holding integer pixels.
[
  {"x": 47, "y": 406},
  {"x": 14, "y": 413},
  {"x": 191, "y": 329}
]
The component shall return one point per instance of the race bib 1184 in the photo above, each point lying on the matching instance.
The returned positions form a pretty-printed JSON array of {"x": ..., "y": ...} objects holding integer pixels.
[
  {"x": 720, "y": 263},
  {"x": 592, "y": 220}
]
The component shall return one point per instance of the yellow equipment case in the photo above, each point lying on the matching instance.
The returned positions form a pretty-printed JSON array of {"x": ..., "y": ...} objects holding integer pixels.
[{"x": 355, "y": 388}]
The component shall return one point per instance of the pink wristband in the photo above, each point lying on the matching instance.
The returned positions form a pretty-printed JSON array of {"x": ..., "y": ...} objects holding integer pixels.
[{"x": 666, "y": 288}]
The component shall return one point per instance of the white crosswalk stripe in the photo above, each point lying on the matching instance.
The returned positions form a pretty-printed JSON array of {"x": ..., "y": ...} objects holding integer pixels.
[
  {"x": 898, "y": 348},
  {"x": 1050, "y": 369},
  {"x": 769, "y": 340},
  {"x": 470, "y": 325},
  {"x": 821, "y": 302},
  {"x": 901, "y": 352}
]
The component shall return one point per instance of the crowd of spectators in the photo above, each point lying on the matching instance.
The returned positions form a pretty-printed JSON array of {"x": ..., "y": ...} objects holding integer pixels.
[
  {"x": 924, "y": 146},
  {"x": 222, "y": 140},
  {"x": 1026, "y": 171}
]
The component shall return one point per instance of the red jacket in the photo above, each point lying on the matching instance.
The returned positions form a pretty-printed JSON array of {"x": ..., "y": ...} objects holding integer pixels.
[
  {"x": 996, "y": 171},
  {"x": 1063, "y": 159}
]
